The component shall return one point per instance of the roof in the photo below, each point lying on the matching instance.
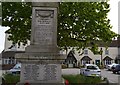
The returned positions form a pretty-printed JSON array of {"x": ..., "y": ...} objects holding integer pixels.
[
  {"x": 6, "y": 54},
  {"x": 71, "y": 56},
  {"x": 107, "y": 58},
  {"x": 86, "y": 58},
  {"x": 114, "y": 43},
  {"x": 7, "y": 66}
]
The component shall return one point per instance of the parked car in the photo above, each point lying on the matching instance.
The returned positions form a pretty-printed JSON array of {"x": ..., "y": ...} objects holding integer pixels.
[
  {"x": 113, "y": 67},
  {"x": 110, "y": 66},
  {"x": 16, "y": 69},
  {"x": 116, "y": 69},
  {"x": 90, "y": 70}
]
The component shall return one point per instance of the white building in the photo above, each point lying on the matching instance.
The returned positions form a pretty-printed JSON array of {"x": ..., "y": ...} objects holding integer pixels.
[
  {"x": 108, "y": 56},
  {"x": 8, "y": 54}
]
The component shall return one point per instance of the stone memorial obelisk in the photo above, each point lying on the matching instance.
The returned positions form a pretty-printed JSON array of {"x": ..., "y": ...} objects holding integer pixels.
[{"x": 41, "y": 62}]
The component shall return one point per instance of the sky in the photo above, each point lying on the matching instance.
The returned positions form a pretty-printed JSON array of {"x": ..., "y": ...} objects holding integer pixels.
[{"x": 112, "y": 15}]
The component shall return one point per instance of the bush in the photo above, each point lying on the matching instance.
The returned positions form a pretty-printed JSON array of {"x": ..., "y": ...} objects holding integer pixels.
[
  {"x": 11, "y": 79},
  {"x": 64, "y": 66},
  {"x": 82, "y": 79}
]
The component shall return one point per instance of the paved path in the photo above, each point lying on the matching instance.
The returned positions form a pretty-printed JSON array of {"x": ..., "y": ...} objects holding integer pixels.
[
  {"x": 113, "y": 78},
  {"x": 70, "y": 71}
]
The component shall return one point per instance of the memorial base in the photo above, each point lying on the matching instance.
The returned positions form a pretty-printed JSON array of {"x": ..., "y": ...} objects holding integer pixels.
[{"x": 38, "y": 70}]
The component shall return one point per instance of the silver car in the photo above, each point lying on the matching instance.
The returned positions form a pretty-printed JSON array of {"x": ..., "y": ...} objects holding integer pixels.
[
  {"x": 91, "y": 70},
  {"x": 16, "y": 69}
]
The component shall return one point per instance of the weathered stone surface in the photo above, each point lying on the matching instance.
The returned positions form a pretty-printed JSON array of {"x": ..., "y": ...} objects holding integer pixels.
[
  {"x": 41, "y": 62},
  {"x": 44, "y": 26},
  {"x": 42, "y": 58},
  {"x": 44, "y": 30},
  {"x": 41, "y": 72},
  {"x": 42, "y": 48}
]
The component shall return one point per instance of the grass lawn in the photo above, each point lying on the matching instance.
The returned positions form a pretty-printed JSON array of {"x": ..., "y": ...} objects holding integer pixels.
[{"x": 82, "y": 79}]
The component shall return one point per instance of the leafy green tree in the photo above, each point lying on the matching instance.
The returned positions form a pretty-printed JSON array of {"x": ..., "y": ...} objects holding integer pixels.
[{"x": 80, "y": 24}]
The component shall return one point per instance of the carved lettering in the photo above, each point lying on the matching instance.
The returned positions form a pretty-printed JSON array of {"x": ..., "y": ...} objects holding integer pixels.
[
  {"x": 43, "y": 27},
  {"x": 40, "y": 72}
]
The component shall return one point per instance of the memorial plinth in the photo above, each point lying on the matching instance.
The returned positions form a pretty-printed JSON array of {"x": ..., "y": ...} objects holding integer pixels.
[{"x": 41, "y": 62}]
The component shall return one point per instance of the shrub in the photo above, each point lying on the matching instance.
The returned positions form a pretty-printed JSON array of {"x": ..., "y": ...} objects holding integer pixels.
[
  {"x": 82, "y": 79},
  {"x": 11, "y": 79},
  {"x": 64, "y": 66}
]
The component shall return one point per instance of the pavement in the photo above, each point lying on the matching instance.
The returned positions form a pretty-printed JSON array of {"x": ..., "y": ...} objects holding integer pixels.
[
  {"x": 113, "y": 78},
  {"x": 70, "y": 71}
]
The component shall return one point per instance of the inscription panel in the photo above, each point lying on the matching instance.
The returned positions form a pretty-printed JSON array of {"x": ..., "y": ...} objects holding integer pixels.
[
  {"x": 43, "y": 33},
  {"x": 41, "y": 72}
]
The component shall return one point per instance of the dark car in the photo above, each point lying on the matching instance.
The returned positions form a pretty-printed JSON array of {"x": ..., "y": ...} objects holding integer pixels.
[
  {"x": 116, "y": 69},
  {"x": 113, "y": 67}
]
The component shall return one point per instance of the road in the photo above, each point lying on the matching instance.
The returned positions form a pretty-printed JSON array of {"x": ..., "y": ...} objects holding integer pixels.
[
  {"x": 72, "y": 71},
  {"x": 112, "y": 78}
]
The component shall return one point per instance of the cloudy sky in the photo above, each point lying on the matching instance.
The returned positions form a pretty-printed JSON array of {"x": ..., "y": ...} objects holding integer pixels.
[{"x": 113, "y": 16}]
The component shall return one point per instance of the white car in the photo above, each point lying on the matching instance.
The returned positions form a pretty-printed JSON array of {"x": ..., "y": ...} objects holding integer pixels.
[
  {"x": 16, "y": 69},
  {"x": 110, "y": 66},
  {"x": 90, "y": 70}
]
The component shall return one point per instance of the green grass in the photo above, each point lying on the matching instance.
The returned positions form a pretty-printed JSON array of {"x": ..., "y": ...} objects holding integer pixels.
[
  {"x": 82, "y": 79},
  {"x": 10, "y": 78}
]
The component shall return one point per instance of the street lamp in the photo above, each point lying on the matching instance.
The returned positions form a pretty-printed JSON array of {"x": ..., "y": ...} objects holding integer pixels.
[{"x": 101, "y": 51}]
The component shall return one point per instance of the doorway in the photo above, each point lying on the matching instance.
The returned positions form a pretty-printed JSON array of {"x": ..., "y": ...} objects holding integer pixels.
[{"x": 97, "y": 62}]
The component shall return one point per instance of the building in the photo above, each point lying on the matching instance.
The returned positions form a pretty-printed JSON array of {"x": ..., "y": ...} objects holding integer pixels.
[
  {"x": 73, "y": 59},
  {"x": 110, "y": 55},
  {"x": 8, "y": 54}
]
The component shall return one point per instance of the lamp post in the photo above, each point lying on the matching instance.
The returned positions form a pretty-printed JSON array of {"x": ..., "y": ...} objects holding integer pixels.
[{"x": 101, "y": 51}]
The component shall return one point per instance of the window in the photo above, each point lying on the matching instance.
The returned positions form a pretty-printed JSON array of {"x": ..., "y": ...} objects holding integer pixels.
[
  {"x": 108, "y": 62},
  {"x": 12, "y": 60},
  {"x": 86, "y": 52},
  {"x": 106, "y": 52},
  {"x": 92, "y": 67},
  {"x": 85, "y": 62},
  {"x": 6, "y": 61}
]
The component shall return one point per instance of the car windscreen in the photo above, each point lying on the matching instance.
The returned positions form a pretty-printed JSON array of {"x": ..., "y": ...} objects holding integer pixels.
[{"x": 92, "y": 67}]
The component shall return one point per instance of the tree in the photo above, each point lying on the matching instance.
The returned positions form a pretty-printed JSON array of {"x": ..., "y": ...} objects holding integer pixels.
[{"x": 80, "y": 24}]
